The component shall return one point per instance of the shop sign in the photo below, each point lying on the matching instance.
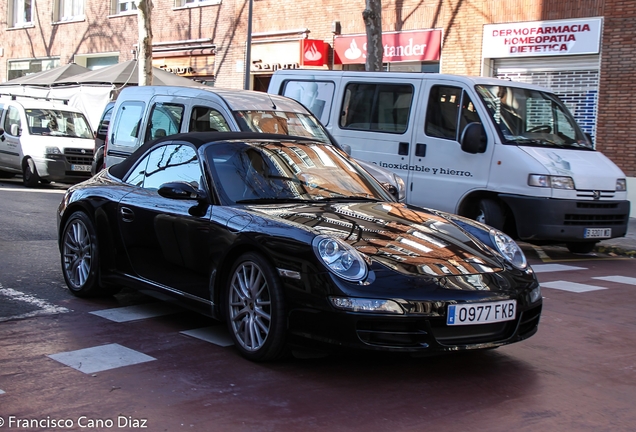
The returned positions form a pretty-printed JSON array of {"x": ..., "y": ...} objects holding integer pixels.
[
  {"x": 542, "y": 38},
  {"x": 314, "y": 52},
  {"x": 186, "y": 66},
  {"x": 421, "y": 45}
]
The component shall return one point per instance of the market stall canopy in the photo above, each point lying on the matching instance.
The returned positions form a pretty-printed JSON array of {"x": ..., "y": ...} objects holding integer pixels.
[
  {"x": 126, "y": 73},
  {"x": 50, "y": 76}
]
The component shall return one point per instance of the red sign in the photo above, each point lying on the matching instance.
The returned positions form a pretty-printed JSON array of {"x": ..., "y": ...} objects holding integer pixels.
[
  {"x": 401, "y": 46},
  {"x": 313, "y": 52}
]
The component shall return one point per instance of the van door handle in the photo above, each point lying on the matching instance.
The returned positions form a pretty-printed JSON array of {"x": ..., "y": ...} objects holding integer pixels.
[
  {"x": 403, "y": 148},
  {"x": 420, "y": 150},
  {"x": 127, "y": 215}
]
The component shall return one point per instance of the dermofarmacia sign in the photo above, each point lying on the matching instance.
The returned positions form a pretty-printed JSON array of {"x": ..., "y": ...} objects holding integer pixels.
[{"x": 542, "y": 38}]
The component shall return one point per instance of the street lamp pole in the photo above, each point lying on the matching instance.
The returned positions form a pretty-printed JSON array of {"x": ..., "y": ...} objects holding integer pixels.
[{"x": 248, "y": 53}]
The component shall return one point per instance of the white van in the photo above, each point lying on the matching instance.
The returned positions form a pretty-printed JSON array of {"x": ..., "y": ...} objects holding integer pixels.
[
  {"x": 44, "y": 141},
  {"x": 144, "y": 113},
  {"x": 504, "y": 153}
]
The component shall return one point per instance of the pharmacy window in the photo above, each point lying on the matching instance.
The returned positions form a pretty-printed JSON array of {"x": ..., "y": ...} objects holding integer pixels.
[
  {"x": 70, "y": 10},
  {"x": 21, "y": 13}
]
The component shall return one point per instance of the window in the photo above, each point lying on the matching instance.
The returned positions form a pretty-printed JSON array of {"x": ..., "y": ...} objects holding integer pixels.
[
  {"x": 124, "y": 7},
  {"x": 20, "y": 68},
  {"x": 204, "y": 119},
  {"x": 70, "y": 10},
  {"x": 315, "y": 95},
  {"x": 194, "y": 3},
  {"x": 21, "y": 13},
  {"x": 165, "y": 120},
  {"x": 448, "y": 112},
  {"x": 126, "y": 130},
  {"x": 169, "y": 163},
  {"x": 12, "y": 118},
  {"x": 377, "y": 107}
]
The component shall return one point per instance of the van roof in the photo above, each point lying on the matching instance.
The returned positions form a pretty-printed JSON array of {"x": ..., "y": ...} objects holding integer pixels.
[
  {"x": 237, "y": 100},
  {"x": 34, "y": 103},
  {"x": 468, "y": 80}
]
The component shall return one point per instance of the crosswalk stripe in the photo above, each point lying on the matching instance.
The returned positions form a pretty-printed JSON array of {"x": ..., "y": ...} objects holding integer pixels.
[
  {"x": 101, "y": 358},
  {"x": 216, "y": 335},
  {"x": 137, "y": 312},
  {"x": 571, "y": 286},
  {"x": 45, "y": 308},
  {"x": 545, "y": 268},
  {"x": 618, "y": 279}
]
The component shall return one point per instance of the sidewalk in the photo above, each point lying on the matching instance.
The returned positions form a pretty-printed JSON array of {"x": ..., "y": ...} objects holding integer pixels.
[{"x": 621, "y": 245}]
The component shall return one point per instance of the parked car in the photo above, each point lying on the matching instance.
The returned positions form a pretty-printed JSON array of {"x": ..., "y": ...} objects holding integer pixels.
[
  {"x": 291, "y": 242},
  {"x": 101, "y": 136},
  {"x": 44, "y": 140}
]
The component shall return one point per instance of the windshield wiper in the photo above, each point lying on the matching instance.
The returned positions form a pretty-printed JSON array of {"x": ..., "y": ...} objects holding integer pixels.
[
  {"x": 273, "y": 200},
  {"x": 351, "y": 198}
]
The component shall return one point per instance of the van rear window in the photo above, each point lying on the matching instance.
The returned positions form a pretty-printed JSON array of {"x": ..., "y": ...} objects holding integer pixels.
[{"x": 377, "y": 107}]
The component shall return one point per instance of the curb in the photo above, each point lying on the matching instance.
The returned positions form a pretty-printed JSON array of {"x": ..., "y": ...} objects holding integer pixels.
[{"x": 616, "y": 250}]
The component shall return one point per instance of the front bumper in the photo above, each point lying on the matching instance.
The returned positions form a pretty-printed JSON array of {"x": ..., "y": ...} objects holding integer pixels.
[
  {"x": 64, "y": 168},
  {"x": 547, "y": 219}
]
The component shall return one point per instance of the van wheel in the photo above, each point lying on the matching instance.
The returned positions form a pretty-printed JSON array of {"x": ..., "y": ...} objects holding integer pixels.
[
  {"x": 30, "y": 176},
  {"x": 581, "y": 247},
  {"x": 490, "y": 212}
]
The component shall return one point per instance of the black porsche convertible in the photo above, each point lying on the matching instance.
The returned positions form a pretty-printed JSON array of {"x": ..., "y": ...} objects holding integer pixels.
[{"x": 291, "y": 243}]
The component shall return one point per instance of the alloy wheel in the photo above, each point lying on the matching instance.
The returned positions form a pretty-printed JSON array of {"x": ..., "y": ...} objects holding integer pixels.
[{"x": 77, "y": 252}]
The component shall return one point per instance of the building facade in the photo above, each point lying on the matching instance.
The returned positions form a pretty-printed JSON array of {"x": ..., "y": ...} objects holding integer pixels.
[{"x": 584, "y": 50}]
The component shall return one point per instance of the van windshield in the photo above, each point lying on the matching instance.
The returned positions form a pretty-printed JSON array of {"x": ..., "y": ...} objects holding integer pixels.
[
  {"x": 532, "y": 118},
  {"x": 58, "y": 123},
  {"x": 284, "y": 123}
]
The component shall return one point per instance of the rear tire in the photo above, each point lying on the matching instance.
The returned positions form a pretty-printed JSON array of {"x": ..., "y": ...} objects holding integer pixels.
[
  {"x": 491, "y": 213},
  {"x": 30, "y": 176},
  {"x": 255, "y": 310},
  {"x": 581, "y": 247}
]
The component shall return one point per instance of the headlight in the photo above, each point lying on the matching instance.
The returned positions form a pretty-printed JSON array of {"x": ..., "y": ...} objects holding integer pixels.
[
  {"x": 509, "y": 249},
  {"x": 621, "y": 185},
  {"x": 340, "y": 258},
  {"x": 367, "y": 305},
  {"x": 547, "y": 181},
  {"x": 52, "y": 150}
]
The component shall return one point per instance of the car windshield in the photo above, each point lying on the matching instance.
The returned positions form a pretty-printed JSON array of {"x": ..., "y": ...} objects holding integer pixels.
[
  {"x": 58, "y": 123},
  {"x": 279, "y": 122},
  {"x": 532, "y": 118},
  {"x": 275, "y": 171}
]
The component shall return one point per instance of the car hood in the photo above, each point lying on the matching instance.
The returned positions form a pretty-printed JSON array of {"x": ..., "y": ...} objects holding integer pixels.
[
  {"x": 407, "y": 240},
  {"x": 63, "y": 142}
]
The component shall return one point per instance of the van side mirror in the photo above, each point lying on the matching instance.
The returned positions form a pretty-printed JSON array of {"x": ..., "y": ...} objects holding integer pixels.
[
  {"x": 15, "y": 130},
  {"x": 2, "y": 134},
  {"x": 473, "y": 139}
]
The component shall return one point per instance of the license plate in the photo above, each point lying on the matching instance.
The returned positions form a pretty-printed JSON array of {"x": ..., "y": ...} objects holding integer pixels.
[
  {"x": 598, "y": 233},
  {"x": 81, "y": 168},
  {"x": 481, "y": 313}
]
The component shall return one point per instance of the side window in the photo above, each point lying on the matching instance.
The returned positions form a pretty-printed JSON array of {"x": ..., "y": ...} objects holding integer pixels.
[
  {"x": 468, "y": 114},
  {"x": 126, "y": 130},
  {"x": 315, "y": 95},
  {"x": 102, "y": 129},
  {"x": 206, "y": 119},
  {"x": 13, "y": 117},
  {"x": 377, "y": 107},
  {"x": 170, "y": 163},
  {"x": 442, "y": 112},
  {"x": 165, "y": 120}
]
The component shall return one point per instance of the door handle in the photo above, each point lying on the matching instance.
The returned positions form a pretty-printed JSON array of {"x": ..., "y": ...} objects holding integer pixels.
[
  {"x": 127, "y": 215},
  {"x": 403, "y": 148},
  {"x": 420, "y": 150}
]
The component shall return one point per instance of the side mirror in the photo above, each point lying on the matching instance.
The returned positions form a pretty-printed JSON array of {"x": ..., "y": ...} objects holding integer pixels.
[
  {"x": 181, "y": 190},
  {"x": 473, "y": 139},
  {"x": 346, "y": 148},
  {"x": 15, "y": 130},
  {"x": 2, "y": 134}
]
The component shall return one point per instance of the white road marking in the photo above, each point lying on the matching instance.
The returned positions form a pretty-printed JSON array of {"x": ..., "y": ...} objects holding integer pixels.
[
  {"x": 56, "y": 191},
  {"x": 2, "y": 391},
  {"x": 545, "y": 268},
  {"x": 101, "y": 358},
  {"x": 618, "y": 279},
  {"x": 45, "y": 308},
  {"x": 571, "y": 286},
  {"x": 137, "y": 312},
  {"x": 216, "y": 335}
]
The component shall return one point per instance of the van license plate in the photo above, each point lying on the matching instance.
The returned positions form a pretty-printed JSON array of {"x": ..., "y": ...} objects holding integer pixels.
[
  {"x": 81, "y": 168},
  {"x": 481, "y": 313},
  {"x": 598, "y": 233}
]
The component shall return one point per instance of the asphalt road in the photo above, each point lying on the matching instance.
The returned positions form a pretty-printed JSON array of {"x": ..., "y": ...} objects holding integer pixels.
[{"x": 126, "y": 362}]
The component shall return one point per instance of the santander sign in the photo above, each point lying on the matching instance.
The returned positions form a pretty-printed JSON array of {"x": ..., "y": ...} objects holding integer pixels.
[{"x": 398, "y": 46}]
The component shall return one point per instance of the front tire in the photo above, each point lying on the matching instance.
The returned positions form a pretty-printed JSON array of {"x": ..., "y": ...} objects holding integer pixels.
[
  {"x": 581, "y": 247},
  {"x": 80, "y": 257},
  {"x": 30, "y": 176},
  {"x": 490, "y": 212},
  {"x": 255, "y": 310}
]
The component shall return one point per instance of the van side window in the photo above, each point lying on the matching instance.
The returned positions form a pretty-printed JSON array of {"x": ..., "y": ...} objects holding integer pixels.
[
  {"x": 165, "y": 120},
  {"x": 314, "y": 95},
  {"x": 377, "y": 107},
  {"x": 442, "y": 112},
  {"x": 126, "y": 130},
  {"x": 206, "y": 119},
  {"x": 13, "y": 117}
]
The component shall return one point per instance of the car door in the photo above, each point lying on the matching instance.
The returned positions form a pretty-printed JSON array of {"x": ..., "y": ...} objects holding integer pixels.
[
  {"x": 440, "y": 172},
  {"x": 165, "y": 243},
  {"x": 10, "y": 146}
]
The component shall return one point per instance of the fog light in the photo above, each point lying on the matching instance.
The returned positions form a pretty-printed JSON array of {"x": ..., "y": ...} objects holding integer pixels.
[
  {"x": 535, "y": 294},
  {"x": 367, "y": 305}
]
